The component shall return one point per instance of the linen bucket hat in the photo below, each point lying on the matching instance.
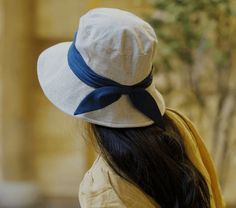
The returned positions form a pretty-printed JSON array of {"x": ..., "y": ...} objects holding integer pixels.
[{"x": 105, "y": 74}]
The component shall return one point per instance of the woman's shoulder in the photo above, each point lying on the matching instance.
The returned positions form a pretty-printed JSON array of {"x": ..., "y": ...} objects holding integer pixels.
[
  {"x": 96, "y": 177},
  {"x": 102, "y": 187}
]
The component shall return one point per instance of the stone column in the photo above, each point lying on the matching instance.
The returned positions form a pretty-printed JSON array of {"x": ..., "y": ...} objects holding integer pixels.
[
  {"x": 16, "y": 75},
  {"x": 17, "y": 71},
  {"x": 1, "y": 86}
]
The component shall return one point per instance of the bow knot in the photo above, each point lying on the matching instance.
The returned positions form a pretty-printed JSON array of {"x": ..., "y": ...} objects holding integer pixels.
[{"x": 126, "y": 90}]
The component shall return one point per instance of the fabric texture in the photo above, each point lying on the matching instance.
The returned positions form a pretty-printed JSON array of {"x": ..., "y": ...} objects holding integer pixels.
[
  {"x": 102, "y": 187},
  {"x": 116, "y": 45}
]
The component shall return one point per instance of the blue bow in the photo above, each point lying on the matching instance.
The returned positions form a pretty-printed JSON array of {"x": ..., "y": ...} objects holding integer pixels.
[{"x": 108, "y": 91}]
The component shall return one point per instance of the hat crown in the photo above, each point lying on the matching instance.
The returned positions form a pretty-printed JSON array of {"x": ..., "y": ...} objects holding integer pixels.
[{"x": 116, "y": 44}]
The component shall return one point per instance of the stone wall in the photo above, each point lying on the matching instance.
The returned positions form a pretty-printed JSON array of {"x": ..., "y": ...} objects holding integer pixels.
[{"x": 57, "y": 20}]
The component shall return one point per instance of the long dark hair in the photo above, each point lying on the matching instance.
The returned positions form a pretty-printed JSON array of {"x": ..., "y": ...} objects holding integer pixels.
[{"x": 155, "y": 160}]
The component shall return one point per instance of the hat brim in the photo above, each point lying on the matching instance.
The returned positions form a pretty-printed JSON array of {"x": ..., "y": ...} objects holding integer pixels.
[{"x": 66, "y": 91}]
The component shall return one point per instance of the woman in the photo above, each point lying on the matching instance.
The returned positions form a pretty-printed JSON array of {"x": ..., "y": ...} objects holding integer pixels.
[{"x": 149, "y": 155}]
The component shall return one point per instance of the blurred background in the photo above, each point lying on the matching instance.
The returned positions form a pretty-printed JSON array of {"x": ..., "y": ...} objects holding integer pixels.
[{"x": 42, "y": 155}]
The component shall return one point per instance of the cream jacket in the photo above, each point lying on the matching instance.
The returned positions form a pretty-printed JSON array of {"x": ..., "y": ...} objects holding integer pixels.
[{"x": 102, "y": 187}]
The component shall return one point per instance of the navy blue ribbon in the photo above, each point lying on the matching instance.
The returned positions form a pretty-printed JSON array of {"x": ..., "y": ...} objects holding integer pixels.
[{"x": 108, "y": 91}]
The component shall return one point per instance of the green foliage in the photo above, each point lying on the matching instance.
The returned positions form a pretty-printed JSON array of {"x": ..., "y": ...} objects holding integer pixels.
[{"x": 182, "y": 24}]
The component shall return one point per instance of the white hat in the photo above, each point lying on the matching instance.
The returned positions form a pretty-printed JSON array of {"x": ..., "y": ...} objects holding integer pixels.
[{"x": 114, "y": 45}]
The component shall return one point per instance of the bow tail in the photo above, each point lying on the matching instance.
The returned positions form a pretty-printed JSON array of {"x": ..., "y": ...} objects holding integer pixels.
[
  {"x": 97, "y": 99},
  {"x": 145, "y": 103}
]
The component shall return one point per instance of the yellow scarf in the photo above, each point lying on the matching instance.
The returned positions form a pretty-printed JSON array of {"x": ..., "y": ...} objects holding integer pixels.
[{"x": 199, "y": 155}]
